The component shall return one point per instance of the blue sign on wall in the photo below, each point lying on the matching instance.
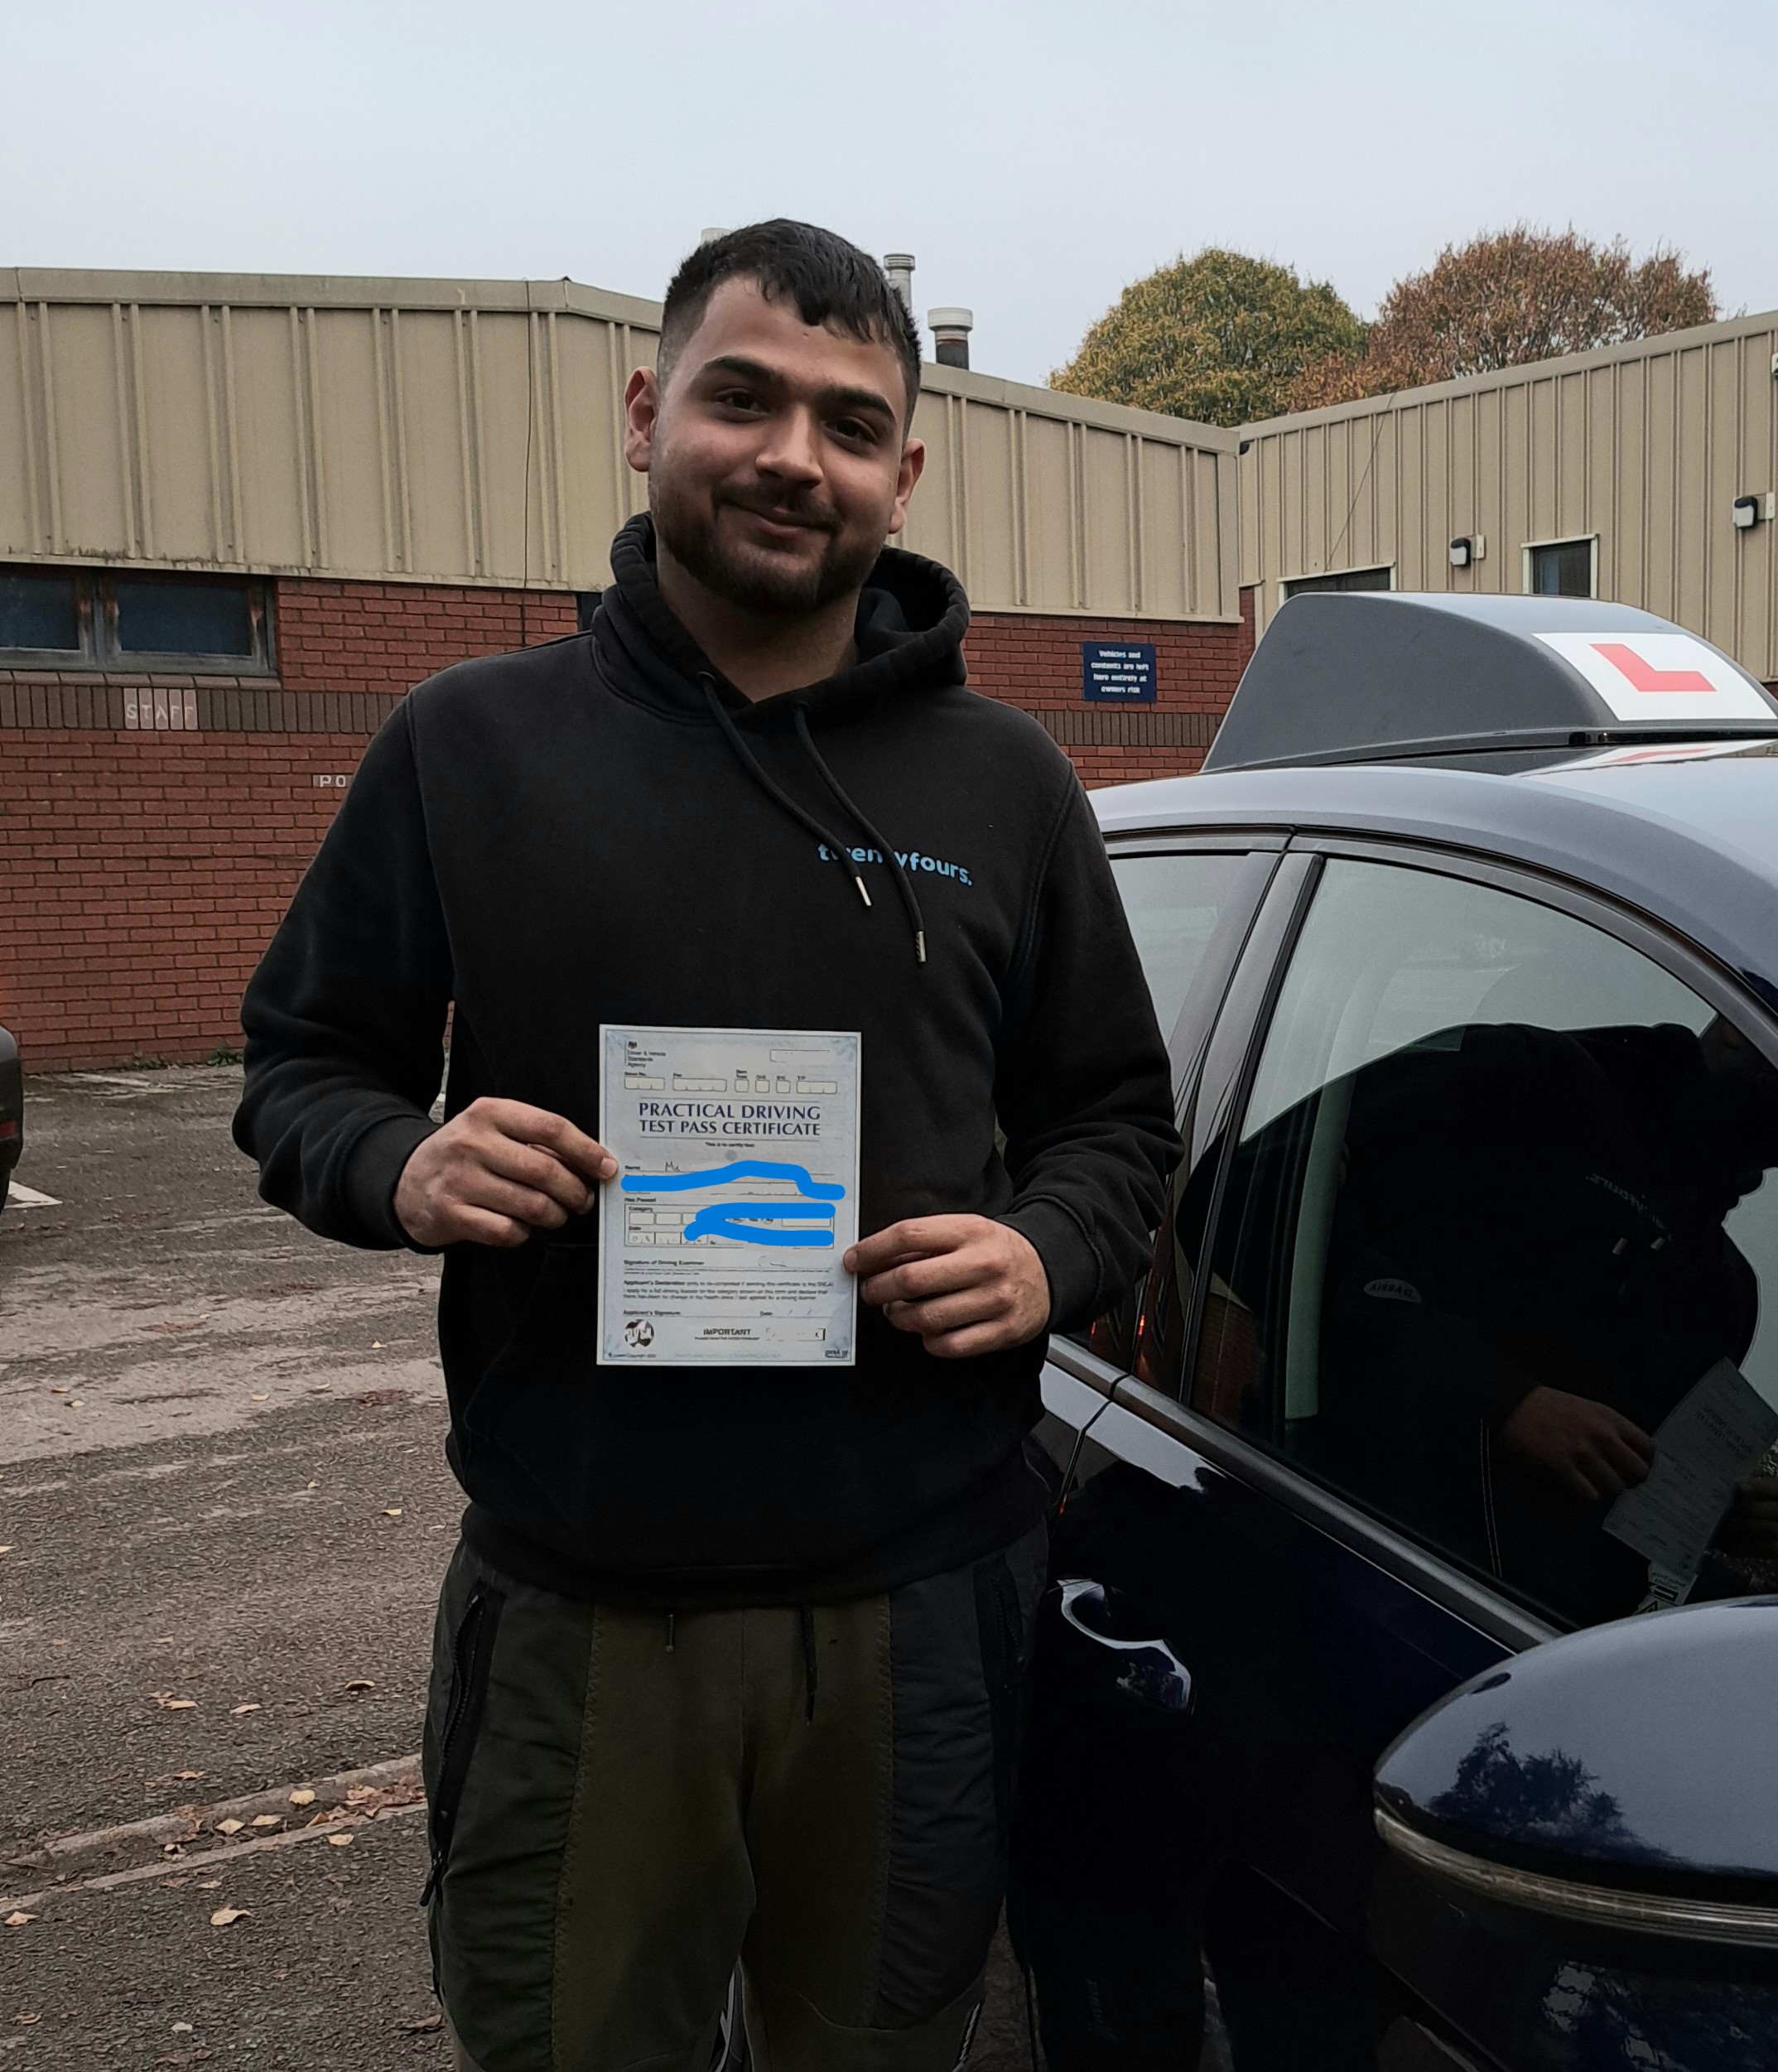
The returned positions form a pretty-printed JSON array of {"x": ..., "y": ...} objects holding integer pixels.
[{"x": 1117, "y": 672}]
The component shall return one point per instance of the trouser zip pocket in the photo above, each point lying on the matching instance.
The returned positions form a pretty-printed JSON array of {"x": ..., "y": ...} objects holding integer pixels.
[{"x": 471, "y": 1657}]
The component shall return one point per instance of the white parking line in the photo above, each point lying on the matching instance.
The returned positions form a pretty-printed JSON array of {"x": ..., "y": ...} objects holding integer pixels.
[
  {"x": 20, "y": 1196},
  {"x": 135, "y": 1082}
]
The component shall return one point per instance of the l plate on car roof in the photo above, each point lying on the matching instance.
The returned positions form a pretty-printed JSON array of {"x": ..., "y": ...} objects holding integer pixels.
[{"x": 1364, "y": 677}]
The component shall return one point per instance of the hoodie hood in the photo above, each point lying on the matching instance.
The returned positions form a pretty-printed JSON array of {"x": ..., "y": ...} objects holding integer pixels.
[
  {"x": 909, "y": 634},
  {"x": 912, "y": 617}
]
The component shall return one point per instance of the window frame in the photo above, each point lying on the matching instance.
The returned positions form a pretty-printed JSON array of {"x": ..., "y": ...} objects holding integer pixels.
[
  {"x": 1529, "y": 548},
  {"x": 1288, "y": 586},
  {"x": 95, "y": 606},
  {"x": 1491, "y": 1607}
]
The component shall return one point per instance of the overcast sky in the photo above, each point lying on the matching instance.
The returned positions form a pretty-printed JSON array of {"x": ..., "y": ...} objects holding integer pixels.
[{"x": 1035, "y": 158}]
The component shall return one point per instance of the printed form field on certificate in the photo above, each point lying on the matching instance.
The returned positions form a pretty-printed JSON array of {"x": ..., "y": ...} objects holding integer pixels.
[{"x": 736, "y": 1196}]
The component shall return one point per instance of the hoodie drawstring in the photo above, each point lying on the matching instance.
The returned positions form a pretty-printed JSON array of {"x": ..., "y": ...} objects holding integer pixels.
[
  {"x": 810, "y": 1674},
  {"x": 841, "y": 852},
  {"x": 910, "y": 903}
]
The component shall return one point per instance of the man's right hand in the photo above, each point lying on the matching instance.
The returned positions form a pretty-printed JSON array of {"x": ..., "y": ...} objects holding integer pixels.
[
  {"x": 1585, "y": 1448},
  {"x": 495, "y": 1173}
]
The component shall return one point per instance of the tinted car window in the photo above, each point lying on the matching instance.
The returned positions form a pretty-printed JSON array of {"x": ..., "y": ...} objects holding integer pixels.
[
  {"x": 1188, "y": 912},
  {"x": 1498, "y": 1203},
  {"x": 1173, "y": 904}
]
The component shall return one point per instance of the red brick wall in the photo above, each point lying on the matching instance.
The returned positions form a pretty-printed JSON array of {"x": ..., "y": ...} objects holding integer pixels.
[
  {"x": 144, "y": 870},
  {"x": 1034, "y": 661},
  {"x": 144, "y": 874},
  {"x": 389, "y": 636}
]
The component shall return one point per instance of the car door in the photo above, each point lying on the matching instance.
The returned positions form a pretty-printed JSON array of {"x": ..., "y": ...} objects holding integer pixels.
[{"x": 1437, "y": 1094}]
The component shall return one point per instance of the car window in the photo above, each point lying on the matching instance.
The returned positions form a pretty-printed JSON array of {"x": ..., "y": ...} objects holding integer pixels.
[
  {"x": 1188, "y": 910},
  {"x": 1175, "y": 904},
  {"x": 1499, "y": 1206}
]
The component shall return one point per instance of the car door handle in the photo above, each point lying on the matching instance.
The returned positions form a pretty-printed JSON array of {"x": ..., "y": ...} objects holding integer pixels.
[{"x": 1148, "y": 1673}]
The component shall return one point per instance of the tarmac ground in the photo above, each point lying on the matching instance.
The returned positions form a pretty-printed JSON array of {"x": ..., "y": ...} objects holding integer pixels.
[{"x": 224, "y": 1510}]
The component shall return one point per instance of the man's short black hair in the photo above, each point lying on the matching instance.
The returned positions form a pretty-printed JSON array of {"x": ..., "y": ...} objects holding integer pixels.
[{"x": 832, "y": 280}]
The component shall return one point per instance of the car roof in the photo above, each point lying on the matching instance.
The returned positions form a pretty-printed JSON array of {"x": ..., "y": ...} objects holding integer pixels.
[{"x": 1686, "y": 833}]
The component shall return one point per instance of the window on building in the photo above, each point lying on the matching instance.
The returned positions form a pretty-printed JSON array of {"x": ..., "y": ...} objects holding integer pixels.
[
  {"x": 39, "y": 611},
  {"x": 1499, "y": 1203},
  {"x": 1560, "y": 568},
  {"x": 1343, "y": 579},
  {"x": 93, "y": 619}
]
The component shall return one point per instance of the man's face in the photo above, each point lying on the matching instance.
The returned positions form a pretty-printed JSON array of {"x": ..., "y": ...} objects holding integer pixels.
[{"x": 775, "y": 453}]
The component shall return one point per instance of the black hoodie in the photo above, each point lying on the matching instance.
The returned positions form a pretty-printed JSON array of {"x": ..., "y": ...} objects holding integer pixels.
[{"x": 603, "y": 830}]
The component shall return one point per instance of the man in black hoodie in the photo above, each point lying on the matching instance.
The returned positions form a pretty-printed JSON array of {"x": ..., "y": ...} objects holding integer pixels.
[{"x": 728, "y": 1661}]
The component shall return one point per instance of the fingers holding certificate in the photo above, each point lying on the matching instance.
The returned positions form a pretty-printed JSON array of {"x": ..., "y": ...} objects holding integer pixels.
[{"x": 723, "y": 1238}]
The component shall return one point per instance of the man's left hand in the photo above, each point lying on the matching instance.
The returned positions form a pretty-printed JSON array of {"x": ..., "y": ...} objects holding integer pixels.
[{"x": 965, "y": 1285}]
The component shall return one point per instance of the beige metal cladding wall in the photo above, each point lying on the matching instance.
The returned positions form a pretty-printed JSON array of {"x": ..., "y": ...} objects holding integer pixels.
[
  {"x": 1049, "y": 503},
  {"x": 464, "y": 431},
  {"x": 390, "y": 428},
  {"x": 1647, "y": 445}
]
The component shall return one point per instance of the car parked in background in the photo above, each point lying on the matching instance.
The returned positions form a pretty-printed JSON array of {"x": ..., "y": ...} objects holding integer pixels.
[
  {"x": 1360, "y": 1669},
  {"x": 11, "y": 1112}
]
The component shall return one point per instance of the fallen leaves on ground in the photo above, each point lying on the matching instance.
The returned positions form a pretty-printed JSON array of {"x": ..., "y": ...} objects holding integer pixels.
[
  {"x": 168, "y": 1704},
  {"x": 25, "y": 2021},
  {"x": 236, "y": 1711},
  {"x": 225, "y": 1915},
  {"x": 269, "y": 1819},
  {"x": 18, "y": 1920},
  {"x": 340, "y": 1840},
  {"x": 303, "y": 1796},
  {"x": 358, "y": 1683},
  {"x": 229, "y": 1827},
  {"x": 423, "y": 2025}
]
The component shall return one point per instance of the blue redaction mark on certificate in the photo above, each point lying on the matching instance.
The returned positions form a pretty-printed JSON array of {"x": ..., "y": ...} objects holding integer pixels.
[
  {"x": 749, "y": 1222},
  {"x": 722, "y": 1240}
]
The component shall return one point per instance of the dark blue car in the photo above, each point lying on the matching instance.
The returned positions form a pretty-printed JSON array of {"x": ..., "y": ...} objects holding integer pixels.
[{"x": 1411, "y": 1657}]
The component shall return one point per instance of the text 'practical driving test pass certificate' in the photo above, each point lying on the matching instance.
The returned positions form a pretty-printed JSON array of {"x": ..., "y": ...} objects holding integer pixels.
[{"x": 735, "y": 1198}]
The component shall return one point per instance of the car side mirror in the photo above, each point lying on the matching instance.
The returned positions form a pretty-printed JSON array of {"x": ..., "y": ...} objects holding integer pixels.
[{"x": 1620, "y": 1777}]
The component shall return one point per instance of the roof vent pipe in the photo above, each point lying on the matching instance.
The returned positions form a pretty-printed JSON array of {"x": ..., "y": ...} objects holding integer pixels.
[
  {"x": 899, "y": 268},
  {"x": 711, "y": 232},
  {"x": 951, "y": 331}
]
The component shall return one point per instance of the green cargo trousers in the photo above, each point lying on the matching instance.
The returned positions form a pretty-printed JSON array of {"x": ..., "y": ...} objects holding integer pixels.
[{"x": 625, "y": 1804}]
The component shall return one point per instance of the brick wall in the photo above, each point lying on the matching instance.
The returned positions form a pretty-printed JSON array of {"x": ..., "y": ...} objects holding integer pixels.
[
  {"x": 1035, "y": 661},
  {"x": 386, "y": 637},
  {"x": 144, "y": 874},
  {"x": 149, "y": 843},
  {"x": 152, "y": 830}
]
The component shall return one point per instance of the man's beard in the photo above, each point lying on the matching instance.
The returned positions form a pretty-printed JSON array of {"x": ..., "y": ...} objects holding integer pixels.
[{"x": 752, "y": 581}]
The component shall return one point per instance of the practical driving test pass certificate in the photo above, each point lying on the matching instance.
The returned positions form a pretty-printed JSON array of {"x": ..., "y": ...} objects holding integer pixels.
[{"x": 735, "y": 1199}]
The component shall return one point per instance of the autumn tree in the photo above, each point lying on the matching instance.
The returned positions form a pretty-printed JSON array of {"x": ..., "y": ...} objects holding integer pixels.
[
  {"x": 1523, "y": 295},
  {"x": 1219, "y": 338}
]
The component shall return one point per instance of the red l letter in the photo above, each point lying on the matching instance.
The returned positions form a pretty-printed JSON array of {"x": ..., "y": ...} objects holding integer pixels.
[{"x": 1630, "y": 666}]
